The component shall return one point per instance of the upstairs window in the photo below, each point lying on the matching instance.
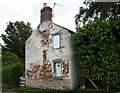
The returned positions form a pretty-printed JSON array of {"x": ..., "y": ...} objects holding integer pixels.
[{"x": 56, "y": 41}]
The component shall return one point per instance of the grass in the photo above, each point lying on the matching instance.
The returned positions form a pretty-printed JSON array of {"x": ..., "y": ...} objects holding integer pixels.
[{"x": 78, "y": 90}]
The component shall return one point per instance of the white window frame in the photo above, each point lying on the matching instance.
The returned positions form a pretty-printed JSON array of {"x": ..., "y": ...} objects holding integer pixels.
[{"x": 56, "y": 41}]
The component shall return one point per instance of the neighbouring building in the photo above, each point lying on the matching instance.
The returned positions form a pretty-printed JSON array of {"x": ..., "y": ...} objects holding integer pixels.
[{"x": 49, "y": 55}]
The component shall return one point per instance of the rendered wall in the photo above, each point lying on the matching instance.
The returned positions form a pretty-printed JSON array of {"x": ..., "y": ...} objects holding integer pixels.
[{"x": 40, "y": 55}]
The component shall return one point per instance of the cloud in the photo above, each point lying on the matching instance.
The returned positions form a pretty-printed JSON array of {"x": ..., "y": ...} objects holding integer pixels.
[{"x": 29, "y": 11}]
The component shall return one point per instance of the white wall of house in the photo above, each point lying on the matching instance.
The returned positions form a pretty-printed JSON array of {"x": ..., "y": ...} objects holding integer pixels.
[
  {"x": 33, "y": 50},
  {"x": 39, "y": 49}
]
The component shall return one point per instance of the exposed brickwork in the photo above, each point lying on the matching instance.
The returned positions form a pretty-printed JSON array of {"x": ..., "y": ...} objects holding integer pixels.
[
  {"x": 46, "y": 14},
  {"x": 44, "y": 75},
  {"x": 44, "y": 57},
  {"x": 50, "y": 26},
  {"x": 39, "y": 72},
  {"x": 45, "y": 38},
  {"x": 45, "y": 70},
  {"x": 65, "y": 69}
]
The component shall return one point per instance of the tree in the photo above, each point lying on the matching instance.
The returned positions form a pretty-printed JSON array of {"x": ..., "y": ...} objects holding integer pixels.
[
  {"x": 98, "y": 51},
  {"x": 9, "y": 58},
  {"x": 16, "y": 35},
  {"x": 97, "y": 10}
]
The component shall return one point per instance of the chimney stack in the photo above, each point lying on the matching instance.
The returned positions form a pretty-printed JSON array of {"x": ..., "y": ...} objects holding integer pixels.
[
  {"x": 46, "y": 13},
  {"x": 44, "y": 5}
]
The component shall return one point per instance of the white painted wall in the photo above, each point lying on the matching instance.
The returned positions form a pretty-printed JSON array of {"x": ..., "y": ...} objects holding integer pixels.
[
  {"x": 73, "y": 67},
  {"x": 34, "y": 49},
  {"x": 33, "y": 53}
]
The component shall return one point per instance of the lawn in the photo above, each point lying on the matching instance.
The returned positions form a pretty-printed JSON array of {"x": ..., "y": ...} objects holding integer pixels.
[{"x": 38, "y": 90}]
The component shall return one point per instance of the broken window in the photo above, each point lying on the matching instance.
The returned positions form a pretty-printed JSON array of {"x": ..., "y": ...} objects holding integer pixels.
[{"x": 56, "y": 41}]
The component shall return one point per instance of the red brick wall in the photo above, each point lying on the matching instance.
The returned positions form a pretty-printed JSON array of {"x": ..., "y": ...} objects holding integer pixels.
[{"x": 46, "y": 14}]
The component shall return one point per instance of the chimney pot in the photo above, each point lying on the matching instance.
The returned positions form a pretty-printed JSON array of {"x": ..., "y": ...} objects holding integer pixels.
[
  {"x": 46, "y": 13},
  {"x": 44, "y": 5}
]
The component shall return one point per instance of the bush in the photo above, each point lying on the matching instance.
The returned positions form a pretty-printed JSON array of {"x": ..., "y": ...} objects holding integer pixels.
[
  {"x": 12, "y": 69},
  {"x": 6, "y": 74},
  {"x": 17, "y": 71},
  {"x": 11, "y": 73},
  {"x": 9, "y": 58},
  {"x": 98, "y": 51}
]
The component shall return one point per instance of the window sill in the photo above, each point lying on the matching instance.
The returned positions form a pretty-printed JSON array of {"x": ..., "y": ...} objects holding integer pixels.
[
  {"x": 56, "y": 48},
  {"x": 60, "y": 78}
]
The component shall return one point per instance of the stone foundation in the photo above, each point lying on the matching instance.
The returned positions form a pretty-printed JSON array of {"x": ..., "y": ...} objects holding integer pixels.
[{"x": 49, "y": 84}]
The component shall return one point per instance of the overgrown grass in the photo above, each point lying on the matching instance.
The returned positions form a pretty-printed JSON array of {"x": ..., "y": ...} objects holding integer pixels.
[{"x": 78, "y": 90}]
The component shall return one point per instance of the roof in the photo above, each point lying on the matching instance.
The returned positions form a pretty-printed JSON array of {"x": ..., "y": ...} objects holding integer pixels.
[
  {"x": 59, "y": 26},
  {"x": 64, "y": 28}
]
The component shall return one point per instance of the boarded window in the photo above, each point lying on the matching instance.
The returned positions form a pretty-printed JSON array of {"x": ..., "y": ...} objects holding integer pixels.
[
  {"x": 56, "y": 41},
  {"x": 58, "y": 69}
]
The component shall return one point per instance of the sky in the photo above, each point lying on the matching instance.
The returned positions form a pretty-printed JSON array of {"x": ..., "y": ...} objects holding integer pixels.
[{"x": 29, "y": 11}]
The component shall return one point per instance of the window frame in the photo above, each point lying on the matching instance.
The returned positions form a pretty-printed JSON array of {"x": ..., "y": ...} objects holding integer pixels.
[
  {"x": 59, "y": 41},
  {"x": 54, "y": 68}
]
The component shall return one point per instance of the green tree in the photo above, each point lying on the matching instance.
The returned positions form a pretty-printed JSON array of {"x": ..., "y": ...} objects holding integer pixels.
[
  {"x": 98, "y": 51},
  {"x": 9, "y": 58},
  {"x": 16, "y": 35},
  {"x": 97, "y": 10}
]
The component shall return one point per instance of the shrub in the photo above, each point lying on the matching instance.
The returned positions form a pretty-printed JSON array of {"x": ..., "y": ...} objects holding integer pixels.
[
  {"x": 16, "y": 72},
  {"x": 98, "y": 51},
  {"x": 9, "y": 58},
  {"x": 11, "y": 74},
  {"x": 12, "y": 69},
  {"x": 6, "y": 74}
]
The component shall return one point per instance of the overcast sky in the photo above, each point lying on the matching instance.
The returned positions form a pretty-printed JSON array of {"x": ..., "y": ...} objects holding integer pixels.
[{"x": 29, "y": 11}]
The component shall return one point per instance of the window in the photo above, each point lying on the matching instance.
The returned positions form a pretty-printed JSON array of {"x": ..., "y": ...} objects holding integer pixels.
[
  {"x": 56, "y": 41},
  {"x": 57, "y": 69}
]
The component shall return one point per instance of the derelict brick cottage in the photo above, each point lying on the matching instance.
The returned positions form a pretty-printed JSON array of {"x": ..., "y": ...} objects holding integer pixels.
[{"x": 49, "y": 55}]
